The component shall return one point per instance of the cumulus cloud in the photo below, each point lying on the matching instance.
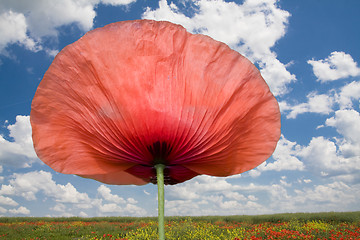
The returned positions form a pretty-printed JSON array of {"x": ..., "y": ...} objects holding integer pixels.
[
  {"x": 181, "y": 192},
  {"x": 214, "y": 195},
  {"x": 284, "y": 156},
  {"x": 342, "y": 98},
  {"x": 316, "y": 103},
  {"x": 3, "y": 210},
  {"x": 1, "y": 177},
  {"x": 348, "y": 94},
  {"x": 20, "y": 152},
  {"x": 105, "y": 192},
  {"x": 29, "y": 184},
  {"x": 336, "y": 195},
  {"x": 337, "y": 66},
  {"x": 83, "y": 214},
  {"x": 67, "y": 198},
  {"x": 335, "y": 157},
  {"x": 237, "y": 196},
  {"x": 13, "y": 28},
  {"x": 21, "y": 210},
  {"x": 325, "y": 156},
  {"x": 26, "y": 23},
  {"x": 333, "y": 196},
  {"x": 59, "y": 207},
  {"x": 347, "y": 123},
  {"x": 255, "y": 27},
  {"x": 7, "y": 201},
  {"x": 117, "y": 204},
  {"x": 244, "y": 198},
  {"x": 117, "y": 2}
]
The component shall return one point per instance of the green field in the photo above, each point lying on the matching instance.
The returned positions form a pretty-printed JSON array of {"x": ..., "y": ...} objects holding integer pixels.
[{"x": 278, "y": 226}]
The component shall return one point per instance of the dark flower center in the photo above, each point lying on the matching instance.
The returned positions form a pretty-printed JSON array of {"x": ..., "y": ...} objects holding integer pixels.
[
  {"x": 160, "y": 152},
  {"x": 173, "y": 174}
]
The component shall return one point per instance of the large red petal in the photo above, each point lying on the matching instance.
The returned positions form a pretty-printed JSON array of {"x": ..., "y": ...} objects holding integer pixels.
[{"x": 110, "y": 96}]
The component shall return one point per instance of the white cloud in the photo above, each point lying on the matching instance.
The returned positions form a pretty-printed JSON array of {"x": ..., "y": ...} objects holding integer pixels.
[
  {"x": 51, "y": 52},
  {"x": 7, "y": 190},
  {"x": 110, "y": 208},
  {"x": 3, "y": 210},
  {"x": 237, "y": 196},
  {"x": 316, "y": 103},
  {"x": 13, "y": 28},
  {"x": 7, "y": 201},
  {"x": 338, "y": 156},
  {"x": 181, "y": 192},
  {"x": 225, "y": 201},
  {"x": 26, "y": 22},
  {"x": 348, "y": 94},
  {"x": 337, "y": 66},
  {"x": 181, "y": 208},
  {"x": 285, "y": 157},
  {"x": 219, "y": 196},
  {"x": 105, "y": 192},
  {"x": 285, "y": 183},
  {"x": 323, "y": 155},
  {"x": 59, "y": 207},
  {"x": 117, "y": 204},
  {"x": 1, "y": 177},
  {"x": 68, "y": 194},
  {"x": 68, "y": 200},
  {"x": 254, "y": 172},
  {"x": 131, "y": 201},
  {"x": 29, "y": 184},
  {"x": 347, "y": 123},
  {"x": 333, "y": 194},
  {"x": 20, "y": 152},
  {"x": 276, "y": 74},
  {"x": 252, "y": 28},
  {"x": 117, "y": 2},
  {"x": 324, "y": 103},
  {"x": 83, "y": 214},
  {"x": 134, "y": 210},
  {"x": 21, "y": 210}
]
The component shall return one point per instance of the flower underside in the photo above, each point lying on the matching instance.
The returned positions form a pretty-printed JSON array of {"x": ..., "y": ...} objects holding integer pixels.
[{"x": 172, "y": 172}]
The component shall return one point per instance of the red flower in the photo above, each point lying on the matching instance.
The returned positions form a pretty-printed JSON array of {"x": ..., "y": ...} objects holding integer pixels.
[{"x": 136, "y": 93}]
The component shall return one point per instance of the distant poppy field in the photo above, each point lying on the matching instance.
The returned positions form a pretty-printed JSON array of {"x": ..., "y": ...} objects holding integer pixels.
[{"x": 279, "y": 226}]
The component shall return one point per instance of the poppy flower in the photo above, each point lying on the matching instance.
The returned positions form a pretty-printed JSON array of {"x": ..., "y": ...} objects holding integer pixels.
[{"x": 134, "y": 94}]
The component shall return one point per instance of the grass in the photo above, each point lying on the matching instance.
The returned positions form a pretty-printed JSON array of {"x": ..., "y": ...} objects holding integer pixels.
[{"x": 332, "y": 225}]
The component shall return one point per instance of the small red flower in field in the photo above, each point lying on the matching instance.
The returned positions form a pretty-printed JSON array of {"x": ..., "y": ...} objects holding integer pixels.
[{"x": 134, "y": 94}]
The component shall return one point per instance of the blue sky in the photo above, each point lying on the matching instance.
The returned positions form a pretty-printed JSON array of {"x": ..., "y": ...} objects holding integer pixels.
[{"x": 307, "y": 51}]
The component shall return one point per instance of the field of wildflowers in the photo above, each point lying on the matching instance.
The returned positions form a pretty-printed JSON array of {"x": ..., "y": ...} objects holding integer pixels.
[{"x": 291, "y": 226}]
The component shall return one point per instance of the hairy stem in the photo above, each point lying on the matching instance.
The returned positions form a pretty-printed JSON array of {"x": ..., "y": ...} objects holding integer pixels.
[{"x": 160, "y": 183}]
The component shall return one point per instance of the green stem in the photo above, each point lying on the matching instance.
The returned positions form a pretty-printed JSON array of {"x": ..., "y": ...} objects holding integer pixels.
[{"x": 160, "y": 183}]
